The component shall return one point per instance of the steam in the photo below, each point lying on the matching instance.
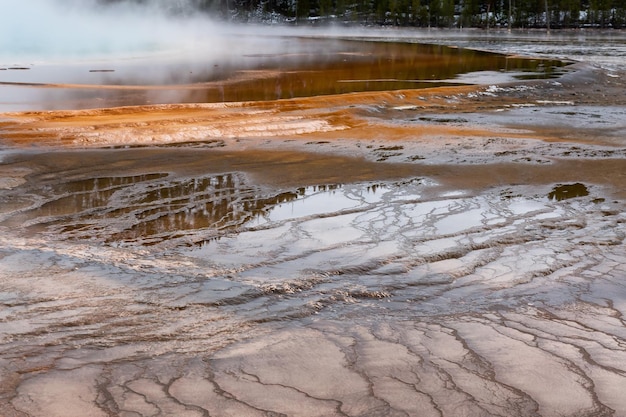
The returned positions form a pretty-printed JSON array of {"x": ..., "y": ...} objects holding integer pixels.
[
  {"x": 60, "y": 31},
  {"x": 44, "y": 30}
]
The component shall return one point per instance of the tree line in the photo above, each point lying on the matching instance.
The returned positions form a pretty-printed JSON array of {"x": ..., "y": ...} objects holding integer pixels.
[{"x": 419, "y": 13}]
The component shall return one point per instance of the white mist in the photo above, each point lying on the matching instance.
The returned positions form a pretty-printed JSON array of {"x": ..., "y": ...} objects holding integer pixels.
[{"x": 36, "y": 31}]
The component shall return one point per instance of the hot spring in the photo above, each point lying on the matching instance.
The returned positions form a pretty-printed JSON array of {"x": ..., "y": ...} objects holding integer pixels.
[{"x": 356, "y": 224}]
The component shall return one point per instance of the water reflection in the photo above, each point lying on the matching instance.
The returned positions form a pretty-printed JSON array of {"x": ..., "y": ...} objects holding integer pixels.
[
  {"x": 312, "y": 67},
  {"x": 216, "y": 203},
  {"x": 152, "y": 208},
  {"x": 90, "y": 194},
  {"x": 567, "y": 191}
]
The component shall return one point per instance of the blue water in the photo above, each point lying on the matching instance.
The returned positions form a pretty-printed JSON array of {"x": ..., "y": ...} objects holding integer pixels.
[{"x": 60, "y": 30}]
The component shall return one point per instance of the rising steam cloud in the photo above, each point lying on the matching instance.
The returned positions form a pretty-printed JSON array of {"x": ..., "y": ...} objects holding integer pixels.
[{"x": 43, "y": 30}]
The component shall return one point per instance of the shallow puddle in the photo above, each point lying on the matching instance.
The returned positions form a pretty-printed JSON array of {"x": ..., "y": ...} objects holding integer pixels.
[
  {"x": 156, "y": 208},
  {"x": 151, "y": 208},
  {"x": 567, "y": 191}
]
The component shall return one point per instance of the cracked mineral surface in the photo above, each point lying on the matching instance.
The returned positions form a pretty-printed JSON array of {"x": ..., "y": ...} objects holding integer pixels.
[{"x": 447, "y": 251}]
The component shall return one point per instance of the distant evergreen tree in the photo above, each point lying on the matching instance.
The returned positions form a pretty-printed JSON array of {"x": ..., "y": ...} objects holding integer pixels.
[{"x": 421, "y": 13}]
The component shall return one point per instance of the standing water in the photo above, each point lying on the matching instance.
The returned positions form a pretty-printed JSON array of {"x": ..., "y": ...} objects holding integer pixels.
[{"x": 193, "y": 280}]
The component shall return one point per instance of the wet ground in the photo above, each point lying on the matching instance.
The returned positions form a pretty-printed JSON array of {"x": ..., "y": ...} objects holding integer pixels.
[
  {"x": 453, "y": 251},
  {"x": 269, "y": 68}
]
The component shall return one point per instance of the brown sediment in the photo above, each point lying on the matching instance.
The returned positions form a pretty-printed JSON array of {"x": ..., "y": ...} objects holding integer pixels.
[
  {"x": 289, "y": 168},
  {"x": 346, "y": 116},
  {"x": 289, "y": 127},
  {"x": 281, "y": 168},
  {"x": 583, "y": 87},
  {"x": 606, "y": 172}
]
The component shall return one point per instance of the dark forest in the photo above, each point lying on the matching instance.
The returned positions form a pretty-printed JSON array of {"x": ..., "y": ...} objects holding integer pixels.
[{"x": 419, "y": 13}]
